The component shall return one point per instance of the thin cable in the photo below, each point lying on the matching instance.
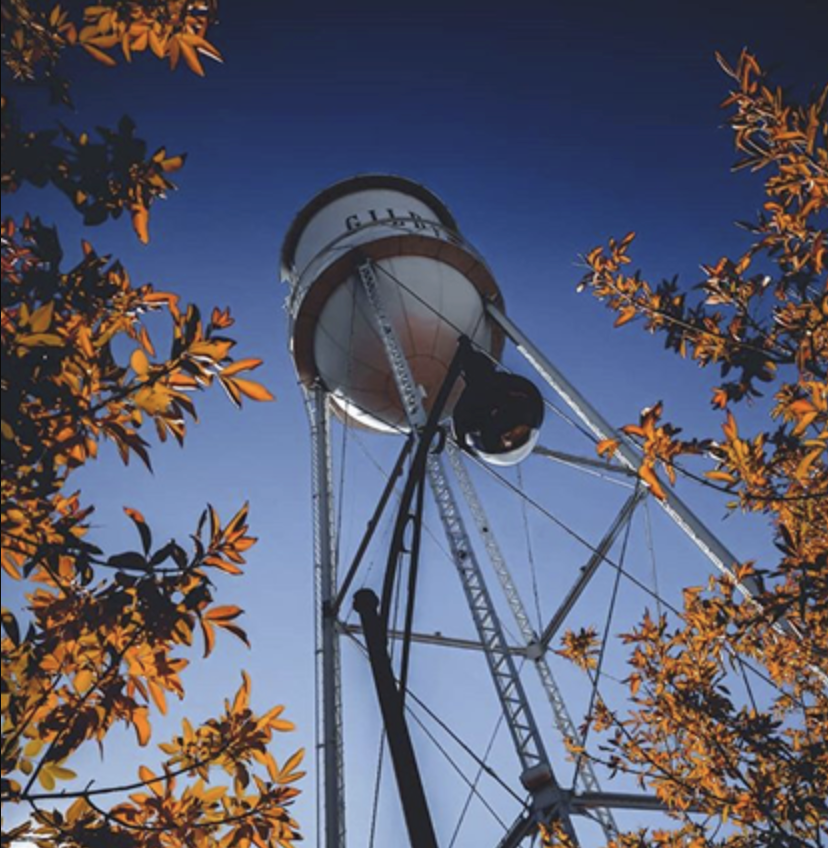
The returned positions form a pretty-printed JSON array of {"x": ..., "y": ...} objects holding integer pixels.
[
  {"x": 655, "y": 594},
  {"x": 480, "y": 762},
  {"x": 634, "y": 580},
  {"x": 648, "y": 531},
  {"x": 529, "y": 552},
  {"x": 477, "y": 347},
  {"x": 377, "y": 782},
  {"x": 438, "y": 543},
  {"x": 441, "y": 748},
  {"x": 552, "y": 406},
  {"x": 583, "y": 430},
  {"x": 592, "y": 472},
  {"x": 602, "y": 653},
  {"x": 571, "y": 421},
  {"x": 431, "y": 308},
  {"x": 575, "y": 535},
  {"x": 473, "y": 789},
  {"x": 443, "y": 726},
  {"x": 384, "y": 541},
  {"x": 744, "y": 666},
  {"x": 660, "y": 601}
]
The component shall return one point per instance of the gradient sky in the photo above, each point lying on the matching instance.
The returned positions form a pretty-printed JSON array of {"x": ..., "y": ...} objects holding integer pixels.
[{"x": 546, "y": 127}]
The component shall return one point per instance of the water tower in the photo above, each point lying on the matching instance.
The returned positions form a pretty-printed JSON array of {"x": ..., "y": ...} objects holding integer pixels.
[
  {"x": 406, "y": 233},
  {"x": 396, "y": 325}
]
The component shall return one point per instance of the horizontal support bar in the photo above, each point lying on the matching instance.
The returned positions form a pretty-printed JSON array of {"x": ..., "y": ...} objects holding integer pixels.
[
  {"x": 433, "y": 639},
  {"x": 622, "y": 800},
  {"x": 586, "y": 461}
]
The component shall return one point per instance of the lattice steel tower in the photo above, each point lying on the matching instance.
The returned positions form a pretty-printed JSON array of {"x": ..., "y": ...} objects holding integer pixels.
[{"x": 389, "y": 309}]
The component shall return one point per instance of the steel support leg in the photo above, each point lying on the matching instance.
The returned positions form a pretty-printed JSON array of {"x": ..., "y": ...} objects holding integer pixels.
[
  {"x": 535, "y": 651},
  {"x": 703, "y": 538},
  {"x": 329, "y": 753}
]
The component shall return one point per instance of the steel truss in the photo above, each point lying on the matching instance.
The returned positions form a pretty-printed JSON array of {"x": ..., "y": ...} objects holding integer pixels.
[
  {"x": 534, "y": 649},
  {"x": 712, "y": 547},
  {"x": 548, "y": 801}
]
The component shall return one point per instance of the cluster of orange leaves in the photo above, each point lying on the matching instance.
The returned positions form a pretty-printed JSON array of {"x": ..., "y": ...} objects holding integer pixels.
[
  {"x": 724, "y": 328},
  {"x": 34, "y": 40},
  {"x": 102, "y": 178},
  {"x": 101, "y": 640},
  {"x": 758, "y": 767},
  {"x": 106, "y": 651},
  {"x": 172, "y": 30}
]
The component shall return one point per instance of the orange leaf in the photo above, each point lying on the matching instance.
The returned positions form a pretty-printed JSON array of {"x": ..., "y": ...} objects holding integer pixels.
[
  {"x": 209, "y": 637},
  {"x": 156, "y": 44},
  {"x": 142, "y": 726},
  {"x": 168, "y": 166},
  {"x": 102, "y": 57},
  {"x": 719, "y": 398},
  {"x": 805, "y": 466},
  {"x": 180, "y": 380},
  {"x": 223, "y": 613},
  {"x": 627, "y": 314},
  {"x": 151, "y": 779},
  {"x": 135, "y": 515},
  {"x": 221, "y": 318},
  {"x": 212, "y": 350},
  {"x": 140, "y": 363},
  {"x": 9, "y": 566},
  {"x": 84, "y": 339},
  {"x": 190, "y": 56},
  {"x": 242, "y": 699},
  {"x": 647, "y": 474},
  {"x": 140, "y": 223},
  {"x": 252, "y": 389},
  {"x": 237, "y": 632},
  {"x": 291, "y": 764},
  {"x": 241, "y": 365},
  {"x": 720, "y": 475},
  {"x": 222, "y": 564},
  {"x": 158, "y": 695},
  {"x": 41, "y": 319},
  {"x": 146, "y": 342},
  {"x": 233, "y": 393},
  {"x": 730, "y": 428}
]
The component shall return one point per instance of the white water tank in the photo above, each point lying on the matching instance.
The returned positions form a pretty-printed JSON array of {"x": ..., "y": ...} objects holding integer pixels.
[{"x": 433, "y": 283}]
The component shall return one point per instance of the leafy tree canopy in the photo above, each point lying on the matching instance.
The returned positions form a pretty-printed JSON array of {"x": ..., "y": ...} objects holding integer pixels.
[
  {"x": 756, "y": 771},
  {"x": 103, "y": 638}
]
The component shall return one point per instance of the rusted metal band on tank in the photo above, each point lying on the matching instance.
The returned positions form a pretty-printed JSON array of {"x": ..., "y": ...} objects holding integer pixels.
[{"x": 340, "y": 270}]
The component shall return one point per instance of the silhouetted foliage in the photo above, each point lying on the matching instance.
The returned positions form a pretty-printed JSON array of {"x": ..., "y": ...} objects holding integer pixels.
[
  {"x": 101, "y": 642},
  {"x": 756, "y": 771}
]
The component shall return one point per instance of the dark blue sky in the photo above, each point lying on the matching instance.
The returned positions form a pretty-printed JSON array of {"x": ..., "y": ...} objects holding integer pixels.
[{"x": 546, "y": 127}]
